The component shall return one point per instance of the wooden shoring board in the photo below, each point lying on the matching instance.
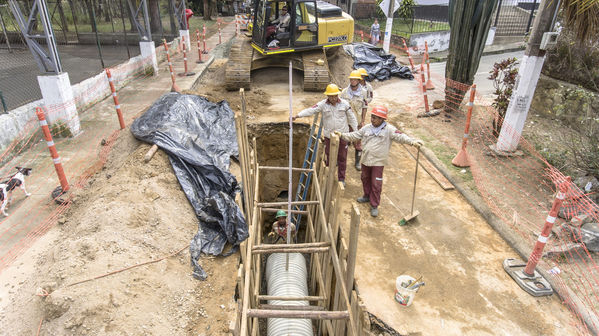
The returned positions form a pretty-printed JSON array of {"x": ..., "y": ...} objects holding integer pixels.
[{"x": 430, "y": 169}]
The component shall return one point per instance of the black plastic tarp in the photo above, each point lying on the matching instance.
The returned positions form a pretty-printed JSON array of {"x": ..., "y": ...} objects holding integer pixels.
[
  {"x": 200, "y": 137},
  {"x": 377, "y": 62}
]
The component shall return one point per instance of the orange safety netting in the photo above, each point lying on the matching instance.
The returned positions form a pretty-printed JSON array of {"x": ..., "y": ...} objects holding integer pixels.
[{"x": 519, "y": 189}]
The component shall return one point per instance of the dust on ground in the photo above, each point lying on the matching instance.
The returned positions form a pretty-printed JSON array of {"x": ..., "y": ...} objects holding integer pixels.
[{"x": 130, "y": 213}]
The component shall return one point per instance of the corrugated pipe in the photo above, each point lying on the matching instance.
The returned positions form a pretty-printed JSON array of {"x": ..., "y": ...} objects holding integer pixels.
[{"x": 291, "y": 282}]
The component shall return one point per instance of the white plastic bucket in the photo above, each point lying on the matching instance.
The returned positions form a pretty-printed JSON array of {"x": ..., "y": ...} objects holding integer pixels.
[{"x": 404, "y": 296}]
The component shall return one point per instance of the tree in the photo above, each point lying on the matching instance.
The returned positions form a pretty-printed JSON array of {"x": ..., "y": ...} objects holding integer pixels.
[
  {"x": 469, "y": 21},
  {"x": 154, "y": 13}
]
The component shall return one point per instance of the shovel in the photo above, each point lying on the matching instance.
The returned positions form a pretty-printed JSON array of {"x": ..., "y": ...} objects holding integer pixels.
[{"x": 413, "y": 214}]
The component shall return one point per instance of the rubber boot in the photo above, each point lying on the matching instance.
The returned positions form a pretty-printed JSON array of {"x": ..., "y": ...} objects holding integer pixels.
[
  {"x": 358, "y": 157},
  {"x": 363, "y": 199},
  {"x": 374, "y": 212}
]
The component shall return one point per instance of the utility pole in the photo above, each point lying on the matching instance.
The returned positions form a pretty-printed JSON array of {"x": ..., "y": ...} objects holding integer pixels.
[
  {"x": 528, "y": 76},
  {"x": 389, "y": 25}
]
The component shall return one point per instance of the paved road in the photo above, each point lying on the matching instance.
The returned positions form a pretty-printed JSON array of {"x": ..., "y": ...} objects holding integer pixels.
[
  {"x": 483, "y": 85},
  {"x": 19, "y": 71}
]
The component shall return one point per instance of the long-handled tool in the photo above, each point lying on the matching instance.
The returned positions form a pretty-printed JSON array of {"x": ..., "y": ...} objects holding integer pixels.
[{"x": 413, "y": 214}]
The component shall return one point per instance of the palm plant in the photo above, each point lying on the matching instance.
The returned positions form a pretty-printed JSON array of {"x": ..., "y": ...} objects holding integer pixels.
[{"x": 582, "y": 17}]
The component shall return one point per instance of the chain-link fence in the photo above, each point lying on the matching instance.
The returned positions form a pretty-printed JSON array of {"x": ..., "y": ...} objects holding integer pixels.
[
  {"x": 91, "y": 35},
  {"x": 515, "y": 17}
]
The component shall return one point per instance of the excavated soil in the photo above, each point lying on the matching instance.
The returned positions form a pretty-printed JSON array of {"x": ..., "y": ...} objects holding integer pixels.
[{"x": 130, "y": 213}]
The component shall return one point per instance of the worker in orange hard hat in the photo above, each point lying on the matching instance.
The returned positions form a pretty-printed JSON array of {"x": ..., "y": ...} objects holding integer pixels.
[
  {"x": 376, "y": 141},
  {"x": 336, "y": 116}
]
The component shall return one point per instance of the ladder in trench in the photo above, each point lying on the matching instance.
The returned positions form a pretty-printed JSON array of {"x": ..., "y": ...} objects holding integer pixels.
[{"x": 305, "y": 177}]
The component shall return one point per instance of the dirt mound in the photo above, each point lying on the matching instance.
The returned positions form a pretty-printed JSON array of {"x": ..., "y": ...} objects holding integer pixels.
[
  {"x": 212, "y": 87},
  {"x": 130, "y": 213},
  {"x": 340, "y": 65}
]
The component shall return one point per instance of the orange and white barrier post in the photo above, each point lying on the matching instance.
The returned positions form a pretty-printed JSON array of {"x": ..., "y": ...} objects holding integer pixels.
[
  {"x": 462, "y": 159},
  {"x": 219, "y": 35},
  {"x": 204, "y": 40},
  {"x": 409, "y": 55},
  {"x": 236, "y": 28},
  {"x": 362, "y": 35},
  {"x": 174, "y": 87},
  {"x": 117, "y": 106},
  {"x": 429, "y": 82},
  {"x": 563, "y": 187},
  {"x": 199, "y": 48},
  {"x": 64, "y": 184},
  {"x": 186, "y": 71},
  {"x": 426, "y": 109}
]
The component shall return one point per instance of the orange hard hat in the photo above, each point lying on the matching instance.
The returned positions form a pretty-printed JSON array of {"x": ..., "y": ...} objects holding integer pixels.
[{"x": 380, "y": 111}]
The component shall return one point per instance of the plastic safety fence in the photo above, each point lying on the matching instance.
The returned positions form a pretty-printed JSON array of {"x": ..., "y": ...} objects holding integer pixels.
[
  {"x": 28, "y": 149},
  {"x": 200, "y": 137},
  {"x": 518, "y": 189}
]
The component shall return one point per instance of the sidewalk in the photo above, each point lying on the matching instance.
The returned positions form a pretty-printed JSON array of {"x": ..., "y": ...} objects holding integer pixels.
[
  {"x": 499, "y": 47},
  {"x": 30, "y": 218}
]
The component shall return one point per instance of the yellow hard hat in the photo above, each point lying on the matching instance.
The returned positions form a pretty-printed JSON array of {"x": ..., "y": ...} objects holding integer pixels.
[
  {"x": 332, "y": 90},
  {"x": 363, "y": 72},
  {"x": 355, "y": 75}
]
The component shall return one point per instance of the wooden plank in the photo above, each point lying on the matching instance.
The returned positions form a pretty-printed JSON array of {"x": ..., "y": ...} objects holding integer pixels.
[
  {"x": 283, "y": 249},
  {"x": 271, "y": 204},
  {"x": 354, "y": 231},
  {"x": 327, "y": 232},
  {"x": 286, "y": 307},
  {"x": 303, "y": 212},
  {"x": 286, "y": 168},
  {"x": 430, "y": 169},
  {"x": 301, "y": 245},
  {"x": 290, "y": 298},
  {"x": 313, "y": 315}
]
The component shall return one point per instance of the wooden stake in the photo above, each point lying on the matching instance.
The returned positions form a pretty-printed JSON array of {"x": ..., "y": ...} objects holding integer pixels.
[{"x": 150, "y": 153}]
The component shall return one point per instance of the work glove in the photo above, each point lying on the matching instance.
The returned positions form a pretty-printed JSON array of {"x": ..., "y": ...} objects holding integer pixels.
[
  {"x": 417, "y": 143},
  {"x": 337, "y": 133}
]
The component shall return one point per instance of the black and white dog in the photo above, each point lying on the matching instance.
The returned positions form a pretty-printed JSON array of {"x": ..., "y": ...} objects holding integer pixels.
[{"x": 7, "y": 187}]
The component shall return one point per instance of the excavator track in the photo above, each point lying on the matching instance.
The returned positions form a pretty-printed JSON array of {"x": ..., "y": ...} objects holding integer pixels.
[
  {"x": 316, "y": 77},
  {"x": 239, "y": 66}
]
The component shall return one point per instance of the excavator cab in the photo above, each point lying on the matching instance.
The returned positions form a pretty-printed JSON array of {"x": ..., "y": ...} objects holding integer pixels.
[
  {"x": 284, "y": 31},
  {"x": 282, "y": 25}
]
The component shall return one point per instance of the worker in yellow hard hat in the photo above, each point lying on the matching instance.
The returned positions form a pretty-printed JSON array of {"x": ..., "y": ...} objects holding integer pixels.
[
  {"x": 336, "y": 116},
  {"x": 367, "y": 86},
  {"x": 355, "y": 94}
]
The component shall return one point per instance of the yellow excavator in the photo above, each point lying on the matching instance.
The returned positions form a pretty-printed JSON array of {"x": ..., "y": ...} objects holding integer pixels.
[{"x": 299, "y": 31}]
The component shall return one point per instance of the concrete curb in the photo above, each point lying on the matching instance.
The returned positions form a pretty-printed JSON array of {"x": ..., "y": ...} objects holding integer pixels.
[
  {"x": 523, "y": 250},
  {"x": 200, "y": 73}
]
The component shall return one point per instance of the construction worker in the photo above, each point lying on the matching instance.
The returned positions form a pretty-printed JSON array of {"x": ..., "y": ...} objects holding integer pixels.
[
  {"x": 336, "y": 116},
  {"x": 367, "y": 86},
  {"x": 376, "y": 138},
  {"x": 355, "y": 94},
  {"x": 279, "y": 227}
]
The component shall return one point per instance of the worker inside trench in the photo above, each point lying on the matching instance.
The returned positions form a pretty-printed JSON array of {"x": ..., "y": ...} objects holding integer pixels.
[
  {"x": 272, "y": 140},
  {"x": 281, "y": 276}
]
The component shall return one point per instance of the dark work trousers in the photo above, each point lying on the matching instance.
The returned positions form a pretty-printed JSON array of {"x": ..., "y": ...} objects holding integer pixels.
[
  {"x": 341, "y": 156},
  {"x": 372, "y": 183}
]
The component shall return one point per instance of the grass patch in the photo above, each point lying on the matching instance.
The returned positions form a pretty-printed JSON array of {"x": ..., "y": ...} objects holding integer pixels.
[
  {"x": 406, "y": 27},
  {"x": 446, "y": 154}
]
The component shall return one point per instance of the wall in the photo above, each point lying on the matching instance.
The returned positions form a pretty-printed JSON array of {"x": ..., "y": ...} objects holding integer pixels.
[
  {"x": 20, "y": 121},
  {"x": 570, "y": 103}
]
